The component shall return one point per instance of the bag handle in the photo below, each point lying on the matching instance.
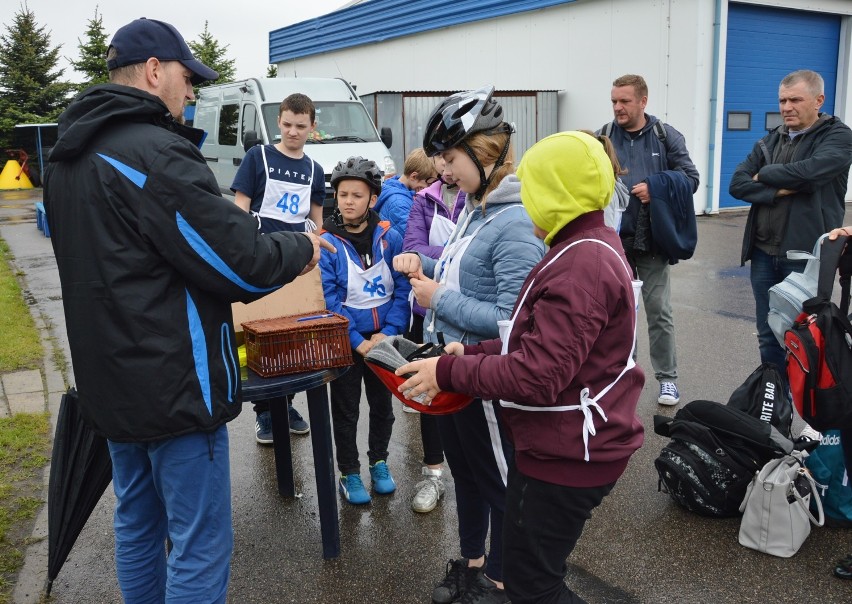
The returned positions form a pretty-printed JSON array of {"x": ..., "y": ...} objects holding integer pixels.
[
  {"x": 829, "y": 260},
  {"x": 814, "y": 494},
  {"x": 844, "y": 267}
]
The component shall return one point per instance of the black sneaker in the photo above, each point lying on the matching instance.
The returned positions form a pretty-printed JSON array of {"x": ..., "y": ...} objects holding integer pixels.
[
  {"x": 454, "y": 583},
  {"x": 482, "y": 590}
]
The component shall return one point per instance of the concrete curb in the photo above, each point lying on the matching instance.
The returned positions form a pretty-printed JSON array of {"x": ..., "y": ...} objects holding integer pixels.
[{"x": 32, "y": 577}]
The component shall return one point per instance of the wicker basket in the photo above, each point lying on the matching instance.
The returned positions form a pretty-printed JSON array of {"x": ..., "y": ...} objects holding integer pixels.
[{"x": 297, "y": 343}]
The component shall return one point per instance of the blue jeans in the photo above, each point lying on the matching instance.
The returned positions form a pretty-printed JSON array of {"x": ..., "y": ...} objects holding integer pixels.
[
  {"x": 178, "y": 488},
  {"x": 766, "y": 271}
]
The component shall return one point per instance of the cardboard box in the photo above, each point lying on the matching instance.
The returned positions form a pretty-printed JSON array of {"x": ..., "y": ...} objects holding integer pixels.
[{"x": 304, "y": 294}]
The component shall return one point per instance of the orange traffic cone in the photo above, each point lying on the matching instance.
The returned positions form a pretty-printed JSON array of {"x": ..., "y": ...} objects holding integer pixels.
[{"x": 13, "y": 177}]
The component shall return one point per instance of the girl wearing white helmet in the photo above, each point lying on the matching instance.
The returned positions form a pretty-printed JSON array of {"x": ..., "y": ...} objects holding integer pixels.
[{"x": 473, "y": 285}]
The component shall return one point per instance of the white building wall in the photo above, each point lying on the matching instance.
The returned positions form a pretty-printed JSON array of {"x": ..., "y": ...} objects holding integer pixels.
[{"x": 577, "y": 49}]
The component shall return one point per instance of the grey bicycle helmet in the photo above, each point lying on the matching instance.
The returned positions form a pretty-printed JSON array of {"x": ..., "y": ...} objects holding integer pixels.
[
  {"x": 359, "y": 168},
  {"x": 460, "y": 115}
]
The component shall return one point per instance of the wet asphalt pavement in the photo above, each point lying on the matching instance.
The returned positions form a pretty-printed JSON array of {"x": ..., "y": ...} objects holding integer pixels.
[{"x": 639, "y": 547}]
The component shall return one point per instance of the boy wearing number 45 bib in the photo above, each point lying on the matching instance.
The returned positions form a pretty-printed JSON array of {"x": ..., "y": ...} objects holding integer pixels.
[
  {"x": 284, "y": 189},
  {"x": 359, "y": 283}
]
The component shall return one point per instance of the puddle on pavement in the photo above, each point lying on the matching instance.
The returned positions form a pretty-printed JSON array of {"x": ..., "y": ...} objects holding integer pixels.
[{"x": 733, "y": 272}]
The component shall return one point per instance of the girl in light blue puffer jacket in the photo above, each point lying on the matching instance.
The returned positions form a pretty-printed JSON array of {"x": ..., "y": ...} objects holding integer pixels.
[{"x": 473, "y": 285}]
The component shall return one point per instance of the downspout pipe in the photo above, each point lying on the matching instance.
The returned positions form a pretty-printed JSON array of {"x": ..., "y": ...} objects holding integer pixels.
[{"x": 714, "y": 104}]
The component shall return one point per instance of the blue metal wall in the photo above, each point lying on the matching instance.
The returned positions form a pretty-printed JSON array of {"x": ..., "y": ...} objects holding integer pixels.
[
  {"x": 380, "y": 20},
  {"x": 764, "y": 45}
]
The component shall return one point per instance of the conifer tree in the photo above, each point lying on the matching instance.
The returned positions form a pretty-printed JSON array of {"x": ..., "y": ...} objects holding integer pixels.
[
  {"x": 31, "y": 86},
  {"x": 92, "y": 62},
  {"x": 208, "y": 50}
]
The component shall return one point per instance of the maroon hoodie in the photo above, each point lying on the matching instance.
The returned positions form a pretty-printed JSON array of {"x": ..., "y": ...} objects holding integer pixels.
[{"x": 574, "y": 331}]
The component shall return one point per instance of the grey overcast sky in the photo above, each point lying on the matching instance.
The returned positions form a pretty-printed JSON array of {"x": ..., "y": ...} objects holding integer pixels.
[{"x": 242, "y": 25}]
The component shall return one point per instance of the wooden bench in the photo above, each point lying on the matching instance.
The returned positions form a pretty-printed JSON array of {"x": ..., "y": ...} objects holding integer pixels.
[{"x": 41, "y": 219}]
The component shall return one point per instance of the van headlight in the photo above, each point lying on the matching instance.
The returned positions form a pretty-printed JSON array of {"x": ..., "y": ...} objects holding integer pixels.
[{"x": 390, "y": 167}]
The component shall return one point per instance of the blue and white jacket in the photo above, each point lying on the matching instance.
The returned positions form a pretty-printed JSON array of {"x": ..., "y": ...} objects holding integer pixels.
[
  {"x": 390, "y": 318},
  {"x": 150, "y": 257},
  {"x": 491, "y": 272},
  {"x": 394, "y": 204}
]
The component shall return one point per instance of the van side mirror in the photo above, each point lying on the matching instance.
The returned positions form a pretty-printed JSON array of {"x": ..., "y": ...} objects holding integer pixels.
[
  {"x": 386, "y": 136},
  {"x": 250, "y": 139}
]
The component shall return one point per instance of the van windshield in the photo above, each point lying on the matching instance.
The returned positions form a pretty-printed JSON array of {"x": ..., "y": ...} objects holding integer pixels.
[{"x": 337, "y": 122}]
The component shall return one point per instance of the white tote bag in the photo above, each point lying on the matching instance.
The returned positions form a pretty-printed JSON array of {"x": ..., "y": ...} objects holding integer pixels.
[{"x": 776, "y": 515}]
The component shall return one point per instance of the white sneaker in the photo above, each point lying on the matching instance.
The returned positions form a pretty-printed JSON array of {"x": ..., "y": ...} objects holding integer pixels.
[
  {"x": 810, "y": 434},
  {"x": 429, "y": 491},
  {"x": 408, "y": 409},
  {"x": 668, "y": 394}
]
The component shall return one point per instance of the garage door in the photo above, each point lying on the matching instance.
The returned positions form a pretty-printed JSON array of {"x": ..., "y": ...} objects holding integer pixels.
[{"x": 764, "y": 45}]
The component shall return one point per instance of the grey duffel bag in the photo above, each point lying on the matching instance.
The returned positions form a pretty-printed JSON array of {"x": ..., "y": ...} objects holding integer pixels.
[{"x": 786, "y": 298}]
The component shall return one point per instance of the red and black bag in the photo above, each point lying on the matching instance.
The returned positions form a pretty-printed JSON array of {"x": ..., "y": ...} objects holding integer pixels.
[{"x": 819, "y": 346}]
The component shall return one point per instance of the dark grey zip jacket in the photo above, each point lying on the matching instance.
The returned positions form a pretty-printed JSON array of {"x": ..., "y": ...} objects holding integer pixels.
[
  {"x": 818, "y": 170},
  {"x": 150, "y": 258}
]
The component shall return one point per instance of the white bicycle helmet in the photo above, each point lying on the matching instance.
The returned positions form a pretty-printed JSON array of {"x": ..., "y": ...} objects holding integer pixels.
[{"x": 458, "y": 117}]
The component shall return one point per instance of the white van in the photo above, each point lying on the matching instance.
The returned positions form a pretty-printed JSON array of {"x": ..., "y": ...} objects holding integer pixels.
[{"x": 239, "y": 115}]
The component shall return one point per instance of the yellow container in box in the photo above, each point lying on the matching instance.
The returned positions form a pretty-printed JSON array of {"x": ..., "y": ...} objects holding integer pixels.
[{"x": 297, "y": 343}]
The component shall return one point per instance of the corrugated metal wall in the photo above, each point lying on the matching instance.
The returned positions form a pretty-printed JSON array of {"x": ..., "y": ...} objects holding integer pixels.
[{"x": 533, "y": 113}]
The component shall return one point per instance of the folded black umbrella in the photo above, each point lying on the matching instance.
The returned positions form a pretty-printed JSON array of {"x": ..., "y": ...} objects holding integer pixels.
[{"x": 80, "y": 471}]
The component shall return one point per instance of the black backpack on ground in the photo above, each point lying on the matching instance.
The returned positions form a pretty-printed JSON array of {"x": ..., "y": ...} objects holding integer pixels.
[
  {"x": 713, "y": 455},
  {"x": 819, "y": 346},
  {"x": 764, "y": 395}
]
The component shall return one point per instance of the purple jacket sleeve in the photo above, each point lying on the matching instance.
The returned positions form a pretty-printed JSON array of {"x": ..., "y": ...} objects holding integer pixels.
[{"x": 417, "y": 230}]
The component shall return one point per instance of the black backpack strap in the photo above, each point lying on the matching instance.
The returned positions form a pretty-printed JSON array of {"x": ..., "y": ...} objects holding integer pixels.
[
  {"x": 606, "y": 130},
  {"x": 662, "y": 425},
  {"x": 660, "y": 131},
  {"x": 766, "y": 157},
  {"x": 829, "y": 260},
  {"x": 844, "y": 267}
]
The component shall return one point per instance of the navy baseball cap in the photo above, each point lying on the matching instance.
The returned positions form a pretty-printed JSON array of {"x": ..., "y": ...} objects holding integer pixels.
[{"x": 144, "y": 38}]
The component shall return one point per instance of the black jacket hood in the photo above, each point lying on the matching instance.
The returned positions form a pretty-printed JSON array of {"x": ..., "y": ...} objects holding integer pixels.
[{"x": 96, "y": 106}]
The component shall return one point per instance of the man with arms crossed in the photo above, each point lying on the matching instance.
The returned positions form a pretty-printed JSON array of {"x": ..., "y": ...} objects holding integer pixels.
[{"x": 795, "y": 179}]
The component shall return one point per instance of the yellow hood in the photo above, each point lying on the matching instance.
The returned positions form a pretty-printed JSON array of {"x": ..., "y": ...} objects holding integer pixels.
[{"x": 564, "y": 176}]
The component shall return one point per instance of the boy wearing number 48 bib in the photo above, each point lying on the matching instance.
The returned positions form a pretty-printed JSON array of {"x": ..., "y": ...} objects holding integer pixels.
[
  {"x": 284, "y": 189},
  {"x": 359, "y": 283}
]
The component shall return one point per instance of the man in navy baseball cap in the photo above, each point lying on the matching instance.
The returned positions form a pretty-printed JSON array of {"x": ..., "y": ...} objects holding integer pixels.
[{"x": 143, "y": 38}]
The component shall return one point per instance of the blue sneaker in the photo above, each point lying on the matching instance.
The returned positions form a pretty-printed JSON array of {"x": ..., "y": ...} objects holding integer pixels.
[
  {"x": 383, "y": 482},
  {"x": 669, "y": 394},
  {"x": 298, "y": 425},
  {"x": 352, "y": 489},
  {"x": 263, "y": 428}
]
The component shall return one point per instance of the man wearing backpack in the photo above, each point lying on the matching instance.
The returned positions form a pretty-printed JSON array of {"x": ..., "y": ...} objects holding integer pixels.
[
  {"x": 795, "y": 179},
  {"x": 645, "y": 147}
]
